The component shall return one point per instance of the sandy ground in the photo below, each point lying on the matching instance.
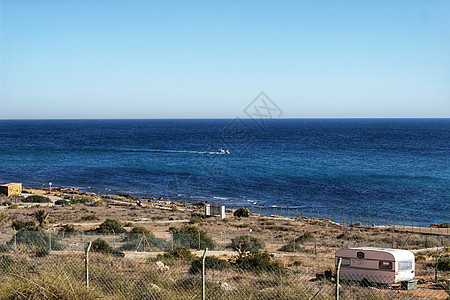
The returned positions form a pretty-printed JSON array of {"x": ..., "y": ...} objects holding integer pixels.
[{"x": 275, "y": 231}]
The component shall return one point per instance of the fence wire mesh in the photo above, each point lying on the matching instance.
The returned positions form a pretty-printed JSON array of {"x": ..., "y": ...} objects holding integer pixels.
[{"x": 48, "y": 265}]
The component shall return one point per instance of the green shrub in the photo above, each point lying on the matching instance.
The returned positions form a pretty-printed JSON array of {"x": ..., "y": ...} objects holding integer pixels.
[
  {"x": 35, "y": 240},
  {"x": 195, "y": 219},
  {"x": 14, "y": 206},
  {"x": 62, "y": 202},
  {"x": 140, "y": 230},
  {"x": 111, "y": 226},
  {"x": 89, "y": 218},
  {"x": 247, "y": 243},
  {"x": 211, "y": 262},
  {"x": 294, "y": 246},
  {"x": 100, "y": 245},
  {"x": 80, "y": 201},
  {"x": 242, "y": 212},
  {"x": 444, "y": 264},
  {"x": 67, "y": 228},
  {"x": 140, "y": 237},
  {"x": 36, "y": 199},
  {"x": 22, "y": 225},
  {"x": 98, "y": 203},
  {"x": 178, "y": 254},
  {"x": 257, "y": 261},
  {"x": 197, "y": 239}
]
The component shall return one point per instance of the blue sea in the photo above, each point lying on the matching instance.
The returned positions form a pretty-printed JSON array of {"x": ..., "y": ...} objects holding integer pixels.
[{"x": 351, "y": 167}]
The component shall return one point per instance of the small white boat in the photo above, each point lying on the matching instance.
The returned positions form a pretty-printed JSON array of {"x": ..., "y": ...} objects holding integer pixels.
[{"x": 222, "y": 151}]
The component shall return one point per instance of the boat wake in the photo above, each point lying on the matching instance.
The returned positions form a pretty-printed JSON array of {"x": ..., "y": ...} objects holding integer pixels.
[{"x": 219, "y": 152}]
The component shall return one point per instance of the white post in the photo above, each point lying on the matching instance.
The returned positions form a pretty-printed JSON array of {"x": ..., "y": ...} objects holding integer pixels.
[
  {"x": 222, "y": 212},
  {"x": 207, "y": 210}
]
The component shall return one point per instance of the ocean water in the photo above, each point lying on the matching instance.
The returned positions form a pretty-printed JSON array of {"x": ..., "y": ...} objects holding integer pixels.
[{"x": 358, "y": 167}]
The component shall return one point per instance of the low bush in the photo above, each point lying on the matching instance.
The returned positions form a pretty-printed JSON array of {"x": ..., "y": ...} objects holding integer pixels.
[
  {"x": 182, "y": 254},
  {"x": 100, "y": 245},
  {"x": 67, "y": 229},
  {"x": 192, "y": 236},
  {"x": 242, "y": 212},
  {"x": 36, "y": 199},
  {"x": 254, "y": 260},
  {"x": 62, "y": 202},
  {"x": 444, "y": 264},
  {"x": 98, "y": 203},
  {"x": 89, "y": 218},
  {"x": 247, "y": 243},
  {"x": 24, "y": 225},
  {"x": 110, "y": 226},
  {"x": 142, "y": 238},
  {"x": 294, "y": 246},
  {"x": 80, "y": 201},
  {"x": 211, "y": 262},
  {"x": 195, "y": 219},
  {"x": 35, "y": 240}
]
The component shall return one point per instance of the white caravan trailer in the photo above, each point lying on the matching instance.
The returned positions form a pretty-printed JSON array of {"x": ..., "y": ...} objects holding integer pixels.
[{"x": 379, "y": 265}]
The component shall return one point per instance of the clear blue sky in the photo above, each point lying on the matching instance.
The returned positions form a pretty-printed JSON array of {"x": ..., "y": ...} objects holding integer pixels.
[{"x": 207, "y": 59}]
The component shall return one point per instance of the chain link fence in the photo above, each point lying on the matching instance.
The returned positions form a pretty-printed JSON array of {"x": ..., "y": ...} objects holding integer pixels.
[{"x": 49, "y": 265}]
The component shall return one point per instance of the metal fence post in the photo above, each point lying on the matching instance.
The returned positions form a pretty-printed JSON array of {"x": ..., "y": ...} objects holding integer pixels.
[
  {"x": 337, "y": 277},
  {"x": 114, "y": 240},
  {"x": 203, "y": 275},
  {"x": 87, "y": 264}
]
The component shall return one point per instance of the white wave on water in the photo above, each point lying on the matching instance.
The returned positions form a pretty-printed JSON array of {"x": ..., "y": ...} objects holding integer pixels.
[
  {"x": 175, "y": 151},
  {"x": 252, "y": 202}
]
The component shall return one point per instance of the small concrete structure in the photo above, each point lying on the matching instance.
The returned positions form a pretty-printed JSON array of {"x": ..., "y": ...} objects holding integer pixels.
[
  {"x": 10, "y": 189},
  {"x": 207, "y": 210},
  {"x": 222, "y": 212}
]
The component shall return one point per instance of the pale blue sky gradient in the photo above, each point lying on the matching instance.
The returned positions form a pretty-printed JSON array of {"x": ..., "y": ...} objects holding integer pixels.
[{"x": 208, "y": 59}]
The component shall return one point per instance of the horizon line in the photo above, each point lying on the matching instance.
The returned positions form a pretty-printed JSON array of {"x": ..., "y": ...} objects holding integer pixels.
[{"x": 224, "y": 118}]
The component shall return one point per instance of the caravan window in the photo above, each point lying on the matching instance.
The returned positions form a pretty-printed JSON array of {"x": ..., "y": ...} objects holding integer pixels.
[
  {"x": 385, "y": 265},
  {"x": 404, "y": 265},
  {"x": 345, "y": 262}
]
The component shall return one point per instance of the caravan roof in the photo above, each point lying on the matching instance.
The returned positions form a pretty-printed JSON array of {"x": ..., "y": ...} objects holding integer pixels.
[{"x": 377, "y": 253}]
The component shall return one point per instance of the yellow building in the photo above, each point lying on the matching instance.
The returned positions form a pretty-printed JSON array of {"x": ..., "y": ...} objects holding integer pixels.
[{"x": 13, "y": 188}]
